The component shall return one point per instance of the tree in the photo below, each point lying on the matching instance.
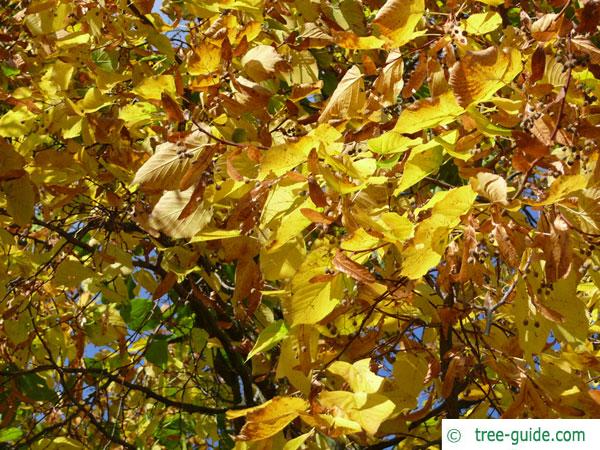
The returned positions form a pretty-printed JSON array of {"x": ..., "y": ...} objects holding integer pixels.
[{"x": 263, "y": 224}]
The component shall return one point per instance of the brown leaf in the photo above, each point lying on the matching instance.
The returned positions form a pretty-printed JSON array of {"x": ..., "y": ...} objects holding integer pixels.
[
  {"x": 348, "y": 99},
  {"x": 324, "y": 278},
  {"x": 165, "y": 285},
  {"x": 195, "y": 171},
  {"x": 194, "y": 201},
  {"x": 538, "y": 64},
  {"x": 313, "y": 162},
  {"x": 507, "y": 248},
  {"x": 174, "y": 112},
  {"x": 231, "y": 170},
  {"x": 315, "y": 216},
  {"x": 351, "y": 268},
  {"x": 316, "y": 193},
  {"x": 388, "y": 84},
  {"x": 416, "y": 77}
]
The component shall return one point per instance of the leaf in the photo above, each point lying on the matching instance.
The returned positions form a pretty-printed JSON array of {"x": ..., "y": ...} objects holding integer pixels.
[
  {"x": 587, "y": 214},
  {"x": 392, "y": 142},
  {"x": 10, "y": 434},
  {"x": 281, "y": 158},
  {"x": 164, "y": 216},
  {"x": 587, "y": 47},
  {"x": 351, "y": 268},
  {"x": 165, "y": 285},
  {"x": 297, "y": 442},
  {"x": 428, "y": 113},
  {"x": 35, "y": 387},
  {"x": 409, "y": 372},
  {"x": 482, "y": 23},
  {"x": 397, "y": 20},
  {"x": 20, "y": 198},
  {"x": 358, "y": 375},
  {"x": 16, "y": 123},
  {"x": 170, "y": 162},
  {"x": 157, "y": 352},
  {"x": 138, "y": 314},
  {"x": 311, "y": 302},
  {"x": 268, "y": 338},
  {"x": 174, "y": 111},
  {"x": 262, "y": 62},
  {"x": 283, "y": 262},
  {"x": 538, "y": 64},
  {"x": 58, "y": 443},
  {"x": 431, "y": 235},
  {"x": 479, "y": 74},
  {"x": 418, "y": 165},
  {"x": 348, "y": 99},
  {"x": 315, "y": 216},
  {"x": 152, "y": 88},
  {"x": 491, "y": 186},
  {"x": 269, "y": 418},
  {"x": 561, "y": 188},
  {"x": 71, "y": 273}
]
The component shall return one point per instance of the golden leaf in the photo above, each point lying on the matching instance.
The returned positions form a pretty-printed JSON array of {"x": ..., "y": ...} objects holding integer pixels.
[{"x": 479, "y": 74}]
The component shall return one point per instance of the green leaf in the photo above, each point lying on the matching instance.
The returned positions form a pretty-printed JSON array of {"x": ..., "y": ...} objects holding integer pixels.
[
  {"x": 105, "y": 60},
  {"x": 34, "y": 386},
  {"x": 269, "y": 337},
  {"x": 10, "y": 434},
  {"x": 158, "y": 352},
  {"x": 138, "y": 314}
]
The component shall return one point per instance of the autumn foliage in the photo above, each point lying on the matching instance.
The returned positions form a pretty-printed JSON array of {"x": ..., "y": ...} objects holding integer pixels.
[{"x": 261, "y": 224}]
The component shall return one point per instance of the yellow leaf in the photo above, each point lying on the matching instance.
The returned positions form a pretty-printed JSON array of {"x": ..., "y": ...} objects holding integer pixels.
[
  {"x": 165, "y": 215},
  {"x": 151, "y": 88},
  {"x": 20, "y": 199},
  {"x": 457, "y": 202},
  {"x": 482, "y": 23},
  {"x": 431, "y": 235},
  {"x": 16, "y": 123},
  {"x": 367, "y": 410},
  {"x": 94, "y": 100},
  {"x": 51, "y": 19},
  {"x": 397, "y": 228},
  {"x": 312, "y": 301},
  {"x": 137, "y": 114},
  {"x": 418, "y": 166},
  {"x": 348, "y": 99},
  {"x": 284, "y": 261},
  {"x": 428, "y": 113},
  {"x": 70, "y": 273},
  {"x": 296, "y": 443},
  {"x": 376, "y": 410},
  {"x": 532, "y": 328},
  {"x": 214, "y": 234},
  {"x": 269, "y": 418},
  {"x": 397, "y": 20},
  {"x": 281, "y": 158},
  {"x": 409, "y": 373},
  {"x": 58, "y": 443},
  {"x": 392, "y": 142},
  {"x": 205, "y": 60},
  {"x": 359, "y": 376},
  {"x": 562, "y": 188},
  {"x": 479, "y": 74},
  {"x": 336, "y": 426}
]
